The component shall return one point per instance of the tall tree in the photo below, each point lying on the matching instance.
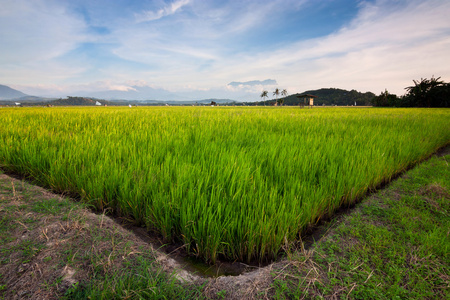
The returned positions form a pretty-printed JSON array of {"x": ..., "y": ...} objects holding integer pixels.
[
  {"x": 418, "y": 93},
  {"x": 386, "y": 99},
  {"x": 276, "y": 93},
  {"x": 264, "y": 96},
  {"x": 283, "y": 93}
]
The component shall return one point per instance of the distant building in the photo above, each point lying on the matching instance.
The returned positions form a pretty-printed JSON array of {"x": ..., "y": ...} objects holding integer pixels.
[{"x": 306, "y": 99}]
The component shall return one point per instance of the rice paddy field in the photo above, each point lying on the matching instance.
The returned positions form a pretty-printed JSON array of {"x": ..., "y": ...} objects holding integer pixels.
[{"x": 231, "y": 183}]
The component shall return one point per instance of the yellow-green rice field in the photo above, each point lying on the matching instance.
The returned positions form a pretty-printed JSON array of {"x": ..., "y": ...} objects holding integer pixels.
[{"x": 236, "y": 183}]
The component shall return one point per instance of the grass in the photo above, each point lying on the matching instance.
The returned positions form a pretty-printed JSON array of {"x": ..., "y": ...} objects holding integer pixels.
[
  {"x": 139, "y": 282},
  {"x": 395, "y": 246},
  {"x": 53, "y": 248},
  {"x": 236, "y": 183},
  {"x": 52, "y": 206}
]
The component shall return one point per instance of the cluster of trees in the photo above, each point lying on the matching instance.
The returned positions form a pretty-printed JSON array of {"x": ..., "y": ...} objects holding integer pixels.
[
  {"x": 424, "y": 93},
  {"x": 325, "y": 96},
  {"x": 340, "y": 97},
  {"x": 276, "y": 93}
]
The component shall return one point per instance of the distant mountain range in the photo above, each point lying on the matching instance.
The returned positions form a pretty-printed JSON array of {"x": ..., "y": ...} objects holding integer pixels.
[
  {"x": 83, "y": 101},
  {"x": 146, "y": 93},
  {"x": 135, "y": 93},
  {"x": 151, "y": 96},
  {"x": 7, "y": 93}
]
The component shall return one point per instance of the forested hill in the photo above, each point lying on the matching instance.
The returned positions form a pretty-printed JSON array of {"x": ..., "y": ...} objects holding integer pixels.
[{"x": 333, "y": 96}]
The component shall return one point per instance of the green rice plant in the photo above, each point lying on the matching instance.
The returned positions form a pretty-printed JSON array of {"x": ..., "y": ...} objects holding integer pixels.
[{"x": 235, "y": 183}]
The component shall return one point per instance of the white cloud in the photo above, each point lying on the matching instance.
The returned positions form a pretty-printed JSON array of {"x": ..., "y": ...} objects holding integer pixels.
[
  {"x": 207, "y": 32},
  {"x": 167, "y": 10},
  {"x": 104, "y": 85},
  {"x": 37, "y": 30},
  {"x": 384, "y": 47},
  {"x": 388, "y": 44},
  {"x": 62, "y": 90},
  {"x": 34, "y": 35}
]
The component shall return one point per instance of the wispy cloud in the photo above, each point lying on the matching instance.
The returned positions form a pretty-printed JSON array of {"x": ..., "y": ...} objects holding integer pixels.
[
  {"x": 37, "y": 30},
  {"x": 384, "y": 47},
  {"x": 33, "y": 36},
  {"x": 168, "y": 9},
  {"x": 62, "y": 90},
  {"x": 254, "y": 82},
  {"x": 204, "y": 45}
]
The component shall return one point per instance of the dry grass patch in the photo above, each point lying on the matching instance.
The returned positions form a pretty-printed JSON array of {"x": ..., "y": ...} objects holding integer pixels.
[{"x": 51, "y": 244}]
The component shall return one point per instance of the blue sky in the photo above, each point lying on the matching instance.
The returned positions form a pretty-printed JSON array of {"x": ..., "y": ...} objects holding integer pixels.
[{"x": 197, "y": 47}]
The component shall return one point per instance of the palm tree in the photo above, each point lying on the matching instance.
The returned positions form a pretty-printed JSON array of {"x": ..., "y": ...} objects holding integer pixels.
[
  {"x": 283, "y": 93},
  {"x": 264, "y": 95},
  {"x": 276, "y": 93},
  {"x": 418, "y": 93}
]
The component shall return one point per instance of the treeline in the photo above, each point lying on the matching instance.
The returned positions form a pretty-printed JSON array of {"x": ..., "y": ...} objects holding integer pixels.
[
  {"x": 340, "y": 97},
  {"x": 74, "y": 101},
  {"x": 424, "y": 93},
  {"x": 325, "y": 96}
]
